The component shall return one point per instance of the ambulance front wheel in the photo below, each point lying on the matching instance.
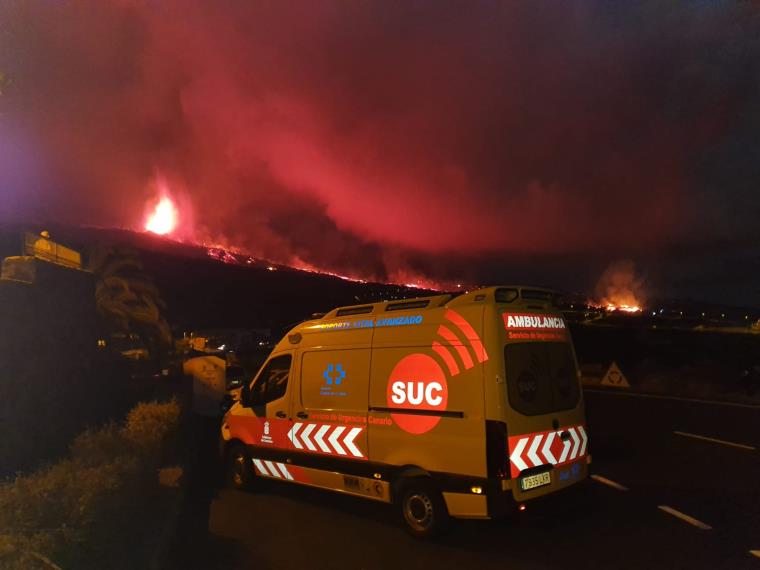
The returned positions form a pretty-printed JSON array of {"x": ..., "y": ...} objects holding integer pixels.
[
  {"x": 239, "y": 469},
  {"x": 423, "y": 509}
]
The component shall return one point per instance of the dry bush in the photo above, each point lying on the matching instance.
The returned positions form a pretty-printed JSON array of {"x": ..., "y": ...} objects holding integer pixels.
[
  {"x": 54, "y": 512},
  {"x": 148, "y": 425}
]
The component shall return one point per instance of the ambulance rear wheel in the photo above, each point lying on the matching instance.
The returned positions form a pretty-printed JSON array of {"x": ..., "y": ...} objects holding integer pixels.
[
  {"x": 423, "y": 509},
  {"x": 239, "y": 469}
]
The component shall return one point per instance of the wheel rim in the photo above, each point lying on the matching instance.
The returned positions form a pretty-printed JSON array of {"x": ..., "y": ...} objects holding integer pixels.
[
  {"x": 238, "y": 469},
  {"x": 419, "y": 511}
]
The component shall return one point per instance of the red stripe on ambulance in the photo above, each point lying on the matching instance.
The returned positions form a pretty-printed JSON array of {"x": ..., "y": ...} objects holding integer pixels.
[{"x": 546, "y": 448}]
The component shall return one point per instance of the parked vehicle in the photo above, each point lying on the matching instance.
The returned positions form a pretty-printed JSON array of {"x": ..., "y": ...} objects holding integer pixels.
[{"x": 465, "y": 406}]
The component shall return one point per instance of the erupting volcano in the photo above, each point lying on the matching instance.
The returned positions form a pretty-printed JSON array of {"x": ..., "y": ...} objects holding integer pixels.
[{"x": 164, "y": 218}]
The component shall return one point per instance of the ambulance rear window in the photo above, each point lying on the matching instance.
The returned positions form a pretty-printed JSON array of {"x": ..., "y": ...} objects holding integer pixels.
[{"x": 541, "y": 377}]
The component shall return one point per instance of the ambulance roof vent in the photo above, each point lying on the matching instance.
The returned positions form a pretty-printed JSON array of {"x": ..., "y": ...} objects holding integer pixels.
[
  {"x": 348, "y": 311},
  {"x": 408, "y": 305},
  {"x": 506, "y": 295},
  {"x": 538, "y": 295},
  {"x": 512, "y": 294}
]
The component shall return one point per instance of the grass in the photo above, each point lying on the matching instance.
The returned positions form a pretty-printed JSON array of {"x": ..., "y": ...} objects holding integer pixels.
[{"x": 92, "y": 507}]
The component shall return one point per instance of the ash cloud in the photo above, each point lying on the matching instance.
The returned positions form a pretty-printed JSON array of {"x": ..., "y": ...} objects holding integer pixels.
[{"x": 382, "y": 139}]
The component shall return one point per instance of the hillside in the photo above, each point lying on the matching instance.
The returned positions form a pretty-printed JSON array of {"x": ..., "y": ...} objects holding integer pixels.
[{"x": 210, "y": 288}]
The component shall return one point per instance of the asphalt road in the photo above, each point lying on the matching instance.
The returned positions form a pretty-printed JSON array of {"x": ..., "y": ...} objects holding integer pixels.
[{"x": 660, "y": 499}]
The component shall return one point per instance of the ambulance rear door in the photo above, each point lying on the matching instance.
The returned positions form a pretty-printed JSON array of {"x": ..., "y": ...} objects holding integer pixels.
[{"x": 548, "y": 441}]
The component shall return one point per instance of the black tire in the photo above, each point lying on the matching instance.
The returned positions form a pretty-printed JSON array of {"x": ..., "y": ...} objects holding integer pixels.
[
  {"x": 423, "y": 509},
  {"x": 239, "y": 469}
]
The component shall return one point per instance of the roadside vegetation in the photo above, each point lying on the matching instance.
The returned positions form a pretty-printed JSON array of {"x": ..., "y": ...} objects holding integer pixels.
[{"x": 102, "y": 506}]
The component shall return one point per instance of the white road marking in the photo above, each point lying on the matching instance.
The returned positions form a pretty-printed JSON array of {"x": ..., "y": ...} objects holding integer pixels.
[
  {"x": 609, "y": 482},
  {"x": 715, "y": 440},
  {"x": 755, "y": 553},
  {"x": 676, "y": 398},
  {"x": 684, "y": 517}
]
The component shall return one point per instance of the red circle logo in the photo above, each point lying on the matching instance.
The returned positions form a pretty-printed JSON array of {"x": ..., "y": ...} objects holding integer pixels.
[{"x": 417, "y": 383}]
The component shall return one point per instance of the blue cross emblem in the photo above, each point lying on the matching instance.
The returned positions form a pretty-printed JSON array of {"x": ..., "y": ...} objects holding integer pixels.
[{"x": 334, "y": 375}]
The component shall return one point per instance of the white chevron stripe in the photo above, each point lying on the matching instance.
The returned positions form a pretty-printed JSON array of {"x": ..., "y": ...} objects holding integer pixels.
[
  {"x": 333, "y": 439},
  {"x": 319, "y": 438},
  {"x": 348, "y": 441},
  {"x": 260, "y": 467},
  {"x": 565, "y": 449},
  {"x": 305, "y": 436},
  {"x": 535, "y": 459},
  {"x": 516, "y": 456},
  {"x": 292, "y": 435},
  {"x": 273, "y": 469},
  {"x": 546, "y": 449},
  {"x": 584, "y": 437},
  {"x": 285, "y": 471},
  {"x": 576, "y": 443}
]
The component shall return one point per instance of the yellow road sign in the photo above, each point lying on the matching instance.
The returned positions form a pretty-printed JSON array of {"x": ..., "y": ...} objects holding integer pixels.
[{"x": 615, "y": 377}]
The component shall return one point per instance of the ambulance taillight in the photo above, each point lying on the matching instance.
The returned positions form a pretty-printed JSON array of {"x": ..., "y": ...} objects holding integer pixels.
[{"x": 497, "y": 457}]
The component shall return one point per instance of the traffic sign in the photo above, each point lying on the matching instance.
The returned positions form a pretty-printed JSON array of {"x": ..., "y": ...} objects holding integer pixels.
[{"x": 615, "y": 377}]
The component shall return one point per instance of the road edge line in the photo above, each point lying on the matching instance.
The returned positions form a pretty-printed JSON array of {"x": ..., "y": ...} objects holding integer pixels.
[
  {"x": 608, "y": 482},
  {"x": 716, "y": 440},
  {"x": 684, "y": 517},
  {"x": 676, "y": 398}
]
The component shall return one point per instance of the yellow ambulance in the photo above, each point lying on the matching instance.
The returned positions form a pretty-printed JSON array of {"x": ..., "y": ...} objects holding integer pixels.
[{"x": 449, "y": 406}]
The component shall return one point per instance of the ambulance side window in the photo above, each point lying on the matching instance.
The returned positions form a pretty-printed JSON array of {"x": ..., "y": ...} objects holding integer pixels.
[{"x": 272, "y": 383}]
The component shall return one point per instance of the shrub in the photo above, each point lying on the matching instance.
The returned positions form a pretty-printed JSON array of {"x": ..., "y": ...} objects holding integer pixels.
[{"x": 50, "y": 514}]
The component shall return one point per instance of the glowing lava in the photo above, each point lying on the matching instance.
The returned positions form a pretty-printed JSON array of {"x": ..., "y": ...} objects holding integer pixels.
[
  {"x": 624, "y": 308},
  {"x": 164, "y": 218}
]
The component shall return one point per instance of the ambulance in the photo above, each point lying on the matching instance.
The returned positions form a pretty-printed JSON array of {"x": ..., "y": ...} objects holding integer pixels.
[{"x": 463, "y": 406}]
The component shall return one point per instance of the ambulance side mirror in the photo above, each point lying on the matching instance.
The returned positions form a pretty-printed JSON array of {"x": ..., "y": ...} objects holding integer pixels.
[
  {"x": 249, "y": 399},
  {"x": 245, "y": 395}
]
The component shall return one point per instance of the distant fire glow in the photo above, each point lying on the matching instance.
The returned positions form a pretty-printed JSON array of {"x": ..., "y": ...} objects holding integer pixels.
[
  {"x": 620, "y": 288},
  {"x": 624, "y": 308},
  {"x": 164, "y": 219}
]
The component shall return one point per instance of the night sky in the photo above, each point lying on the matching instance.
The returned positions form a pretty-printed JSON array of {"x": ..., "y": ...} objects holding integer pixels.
[{"x": 404, "y": 141}]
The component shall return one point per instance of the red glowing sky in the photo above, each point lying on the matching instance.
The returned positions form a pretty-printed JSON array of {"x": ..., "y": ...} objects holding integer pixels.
[{"x": 386, "y": 139}]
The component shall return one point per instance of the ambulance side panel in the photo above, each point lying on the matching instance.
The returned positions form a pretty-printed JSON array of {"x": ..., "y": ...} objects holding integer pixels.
[
  {"x": 445, "y": 432},
  {"x": 333, "y": 390},
  {"x": 495, "y": 381}
]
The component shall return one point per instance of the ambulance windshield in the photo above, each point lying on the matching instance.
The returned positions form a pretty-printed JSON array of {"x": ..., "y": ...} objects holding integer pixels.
[{"x": 541, "y": 377}]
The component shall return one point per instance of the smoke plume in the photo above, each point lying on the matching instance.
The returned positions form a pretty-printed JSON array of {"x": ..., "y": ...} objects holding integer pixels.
[
  {"x": 361, "y": 136},
  {"x": 620, "y": 286}
]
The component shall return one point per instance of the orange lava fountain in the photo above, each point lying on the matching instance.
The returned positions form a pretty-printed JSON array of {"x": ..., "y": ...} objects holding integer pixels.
[{"x": 164, "y": 218}]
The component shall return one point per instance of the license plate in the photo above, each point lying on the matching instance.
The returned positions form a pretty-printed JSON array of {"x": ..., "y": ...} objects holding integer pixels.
[{"x": 538, "y": 480}]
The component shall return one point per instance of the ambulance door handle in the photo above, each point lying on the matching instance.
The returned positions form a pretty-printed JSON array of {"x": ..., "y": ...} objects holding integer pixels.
[
  {"x": 280, "y": 414},
  {"x": 302, "y": 415},
  {"x": 565, "y": 435}
]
